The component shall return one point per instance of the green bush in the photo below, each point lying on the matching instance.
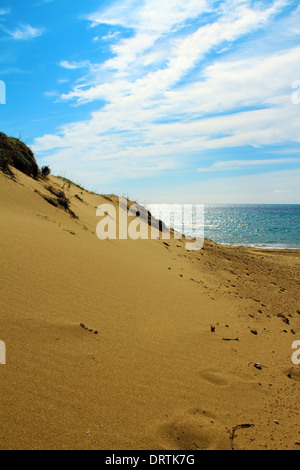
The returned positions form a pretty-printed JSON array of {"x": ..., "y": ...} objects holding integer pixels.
[{"x": 15, "y": 153}]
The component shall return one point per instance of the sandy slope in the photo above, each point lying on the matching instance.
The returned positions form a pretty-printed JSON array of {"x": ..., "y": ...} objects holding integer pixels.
[{"x": 155, "y": 376}]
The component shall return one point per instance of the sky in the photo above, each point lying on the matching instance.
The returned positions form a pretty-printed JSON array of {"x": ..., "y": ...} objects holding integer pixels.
[{"x": 177, "y": 101}]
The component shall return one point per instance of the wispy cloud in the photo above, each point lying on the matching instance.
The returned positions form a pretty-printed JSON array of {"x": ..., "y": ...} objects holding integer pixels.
[
  {"x": 183, "y": 53},
  {"x": 150, "y": 20},
  {"x": 25, "y": 32},
  {"x": 4, "y": 11},
  {"x": 74, "y": 65},
  {"x": 246, "y": 164},
  {"x": 176, "y": 87},
  {"x": 109, "y": 37}
]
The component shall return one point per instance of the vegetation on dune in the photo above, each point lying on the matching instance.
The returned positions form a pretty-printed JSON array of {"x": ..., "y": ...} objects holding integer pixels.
[
  {"x": 59, "y": 200},
  {"x": 68, "y": 182},
  {"x": 13, "y": 152},
  {"x": 45, "y": 171}
]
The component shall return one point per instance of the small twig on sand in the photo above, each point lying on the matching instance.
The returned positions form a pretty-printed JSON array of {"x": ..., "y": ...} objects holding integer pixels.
[
  {"x": 236, "y": 428},
  {"x": 229, "y": 339}
]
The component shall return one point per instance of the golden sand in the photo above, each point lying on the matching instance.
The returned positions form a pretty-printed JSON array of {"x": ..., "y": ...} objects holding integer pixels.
[{"x": 169, "y": 361}]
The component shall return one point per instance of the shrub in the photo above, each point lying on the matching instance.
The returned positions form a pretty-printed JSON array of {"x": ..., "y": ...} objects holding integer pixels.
[
  {"x": 45, "y": 171},
  {"x": 15, "y": 153},
  {"x": 60, "y": 200}
]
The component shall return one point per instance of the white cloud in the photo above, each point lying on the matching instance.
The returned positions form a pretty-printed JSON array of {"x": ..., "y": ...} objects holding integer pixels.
[
  {"x": 25, "y": 33},
  {"x": 74, "y": 65},
  {"x": 152, "y": 119},
  {"x": 150, "y": 20},
  {"x": 246, "y": 164},
  {"x": 110, "y": 36},
  {"x": 50, "y": 141},
  {"x": 182, "y": 56},
  {"x": 263, "y": 82},
  {"x": 151, "y": 15}
]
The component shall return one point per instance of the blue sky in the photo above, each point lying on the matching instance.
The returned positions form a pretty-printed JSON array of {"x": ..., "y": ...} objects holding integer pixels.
[{"x": 175, "y": 101}]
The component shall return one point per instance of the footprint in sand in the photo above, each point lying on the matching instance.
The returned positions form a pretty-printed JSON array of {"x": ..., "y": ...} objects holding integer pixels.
[
  {"x": 214, "y": 377},
  {"x": 193, "y": 430},
  {"x": 218, "y": 379}
]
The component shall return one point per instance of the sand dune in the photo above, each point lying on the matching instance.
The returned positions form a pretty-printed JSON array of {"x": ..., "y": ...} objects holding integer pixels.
[{"x": 124, "y": 344}]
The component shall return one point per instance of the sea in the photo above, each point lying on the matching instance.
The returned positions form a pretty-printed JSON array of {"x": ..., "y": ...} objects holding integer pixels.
[{"x": 268, "y": 226}]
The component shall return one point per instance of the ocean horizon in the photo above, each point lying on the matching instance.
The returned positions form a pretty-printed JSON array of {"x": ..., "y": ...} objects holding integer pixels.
[{"x": 268, "y": 226}]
